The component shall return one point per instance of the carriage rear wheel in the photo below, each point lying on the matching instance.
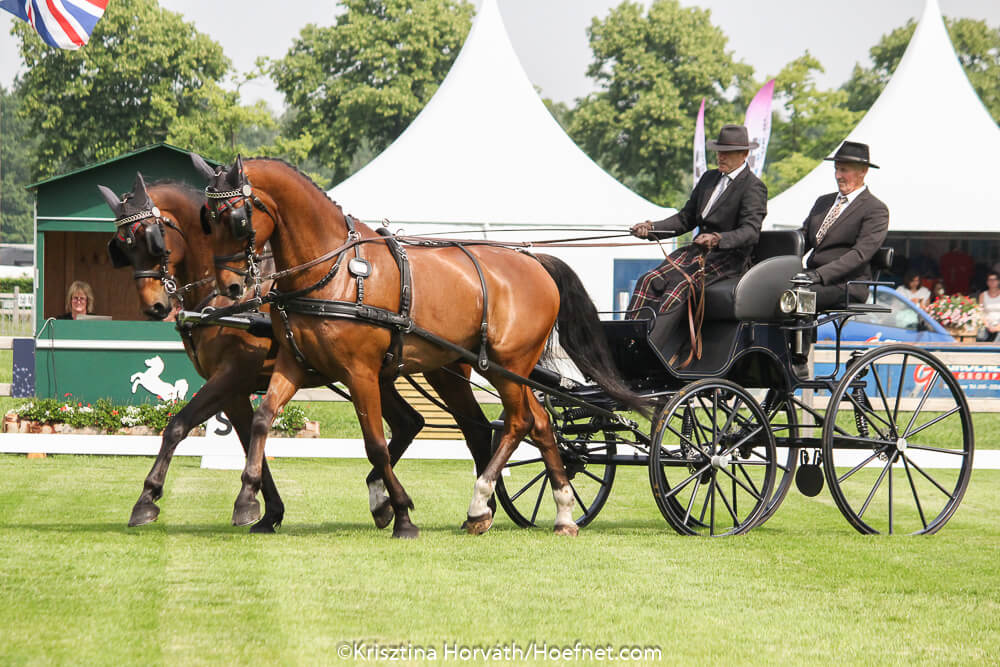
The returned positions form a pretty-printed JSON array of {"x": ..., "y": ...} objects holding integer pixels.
[
  {"x": 524, "y": 489},
  {"x": 897, "y": 442},
  {"x": 712, "y": 460},
  {"x": 783, "y": 418}
]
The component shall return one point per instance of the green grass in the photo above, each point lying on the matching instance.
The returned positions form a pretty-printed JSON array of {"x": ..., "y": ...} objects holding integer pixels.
[
  {"x": 6, "y": 365},
  {"x": 77, "y": 586}
]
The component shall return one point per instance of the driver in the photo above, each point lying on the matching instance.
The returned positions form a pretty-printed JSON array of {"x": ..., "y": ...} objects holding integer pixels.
[{"x": 727, "y": 206}]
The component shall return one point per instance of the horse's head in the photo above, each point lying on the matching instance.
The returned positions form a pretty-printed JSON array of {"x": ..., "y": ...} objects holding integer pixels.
[
  {"x": 238, "y": 235},
  {"x": 149, "y": 240}
]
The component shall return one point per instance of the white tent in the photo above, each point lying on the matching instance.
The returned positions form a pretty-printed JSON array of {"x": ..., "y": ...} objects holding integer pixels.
[
  {"x": 928, "y": 131},
  {"x": 485, "y": 154}
]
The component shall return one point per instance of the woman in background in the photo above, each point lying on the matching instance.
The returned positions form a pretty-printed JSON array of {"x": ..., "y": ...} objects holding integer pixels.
[
  {"x": 913, "y": 290},
  {"x": 990, "y": 301},
  {"x": 79, "y": 301}
]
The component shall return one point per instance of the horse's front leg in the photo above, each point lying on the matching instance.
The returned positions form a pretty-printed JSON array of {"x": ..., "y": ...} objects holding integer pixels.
[
  {"x": 405, "y": 423},
  {"x": 367, "y": 403},
  {"x": 206, "y": 403},
  {"x": 240, "y": 413},
  {"x": 285, "y": 381}
]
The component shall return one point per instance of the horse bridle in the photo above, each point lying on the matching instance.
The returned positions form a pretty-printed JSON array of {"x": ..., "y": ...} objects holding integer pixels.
[
  {"x": 157, "y": 247},
  {"x": 240, "y": 204}
]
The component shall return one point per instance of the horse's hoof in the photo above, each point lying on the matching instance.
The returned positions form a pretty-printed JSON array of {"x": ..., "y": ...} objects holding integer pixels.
[
  {"x": 244, "y": 515},
  {"x": 383, "y": 514},
  {"x": 478, "y": 525},
  {"x": 143, "y": 513},
  {"x": 405, "y": 530},
  {"x": 266, "y": 525},
  {"x": 569, "y": 529}
]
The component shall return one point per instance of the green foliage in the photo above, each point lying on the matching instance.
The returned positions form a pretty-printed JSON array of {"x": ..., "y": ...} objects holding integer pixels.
[
  {"x": 25, "y": 285},
  {"x": 291, "y": 419},
  {"x": 102, "y": 415},
  {"x": 652, "y": 70},
  {"x": 366, "y": 77},
  {"x": 146, "y": 76},
  {"x": 976, "y": 43},
  {"x": 17, "y": 149},
  {"x": 808, "y": 124}
]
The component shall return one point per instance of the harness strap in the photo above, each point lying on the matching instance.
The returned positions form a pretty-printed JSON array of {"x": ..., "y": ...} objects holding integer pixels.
[
  {"x": 483, "y": 362},
  {"x": 695, "y": 307}
]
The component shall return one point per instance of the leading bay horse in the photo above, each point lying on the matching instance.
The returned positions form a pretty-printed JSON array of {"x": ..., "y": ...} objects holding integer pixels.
[
  {"x": 500, "y": 302},
  {"x": 160, "y": 236}
]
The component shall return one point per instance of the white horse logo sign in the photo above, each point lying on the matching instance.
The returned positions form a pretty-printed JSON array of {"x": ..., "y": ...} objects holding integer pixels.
[{"x": 151, "y": 382}]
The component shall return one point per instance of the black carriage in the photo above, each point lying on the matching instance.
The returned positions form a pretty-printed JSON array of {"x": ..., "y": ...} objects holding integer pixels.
[{"x": 889, "y": 429}]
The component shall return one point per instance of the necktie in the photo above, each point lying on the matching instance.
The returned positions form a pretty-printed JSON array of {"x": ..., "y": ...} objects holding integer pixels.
[
  {"x": 830, "y": 218},
  {"x": 719, "y": 189}
]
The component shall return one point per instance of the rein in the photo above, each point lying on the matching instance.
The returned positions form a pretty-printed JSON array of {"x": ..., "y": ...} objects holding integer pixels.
[{"x": 695, "y": 305}]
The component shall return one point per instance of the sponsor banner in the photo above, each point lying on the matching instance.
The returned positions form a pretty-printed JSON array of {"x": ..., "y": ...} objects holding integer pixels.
[
  {"x": 700, "y": 165},
  {"x": 758, "y": 122}
]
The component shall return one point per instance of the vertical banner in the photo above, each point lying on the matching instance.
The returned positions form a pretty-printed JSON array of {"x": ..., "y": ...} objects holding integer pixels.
[
  {"x": 758, "y": 124},
  {"x": 700, "y": 167}
]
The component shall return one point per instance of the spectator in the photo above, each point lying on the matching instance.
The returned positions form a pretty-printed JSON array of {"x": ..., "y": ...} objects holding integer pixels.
[
  {"x": 79, "y": 301},
  {"x": 938, "y": 290},
  {"x": 990, "y": 301},
  {"x": 913, "y": 290}
]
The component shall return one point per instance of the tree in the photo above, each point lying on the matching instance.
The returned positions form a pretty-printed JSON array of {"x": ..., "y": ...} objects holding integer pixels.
[
  {"x": 356, "y": 85},
  {"x": 146, "y": 76},
  {"x": 976, "y": 44},
  {"x": 652, "y": 71},
  {"x": 17, "y": 147},
  {"x": 808, "y": 124}
]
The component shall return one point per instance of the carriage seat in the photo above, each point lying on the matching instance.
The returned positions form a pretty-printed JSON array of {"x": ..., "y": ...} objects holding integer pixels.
[{"x": 754, "y": 295}]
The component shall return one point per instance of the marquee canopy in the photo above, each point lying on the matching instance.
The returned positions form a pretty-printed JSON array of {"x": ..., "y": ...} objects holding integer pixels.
[
  {"x": 485, "y": 150},
  {"x": 929, "y": 133}
]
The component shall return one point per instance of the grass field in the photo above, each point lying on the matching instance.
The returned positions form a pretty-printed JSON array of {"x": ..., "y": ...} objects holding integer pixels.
[{"x": 77, "y": 586}]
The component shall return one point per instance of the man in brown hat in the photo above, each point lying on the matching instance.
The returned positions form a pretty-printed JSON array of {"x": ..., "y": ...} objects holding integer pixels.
[
  {"x": 727, "y": 206},
  {"x": 844, "y": 229}
]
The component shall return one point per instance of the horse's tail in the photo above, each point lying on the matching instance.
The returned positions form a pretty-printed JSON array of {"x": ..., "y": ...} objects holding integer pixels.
[{"x": 580, "y": 334}]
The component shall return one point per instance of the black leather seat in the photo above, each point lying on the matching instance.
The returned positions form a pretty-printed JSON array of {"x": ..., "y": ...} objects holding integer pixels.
[{"x": 776, "y": 258}]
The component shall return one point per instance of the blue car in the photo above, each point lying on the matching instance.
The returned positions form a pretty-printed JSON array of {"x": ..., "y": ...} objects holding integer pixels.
[{"x": 905, "y": 323}]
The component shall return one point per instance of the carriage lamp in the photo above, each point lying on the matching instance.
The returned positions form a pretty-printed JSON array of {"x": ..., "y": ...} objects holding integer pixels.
[{"x": 799, "y": 300}]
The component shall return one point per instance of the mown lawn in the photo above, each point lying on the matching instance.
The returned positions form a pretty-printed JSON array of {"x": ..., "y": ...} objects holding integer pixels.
[{"x": 77, "y": 586}]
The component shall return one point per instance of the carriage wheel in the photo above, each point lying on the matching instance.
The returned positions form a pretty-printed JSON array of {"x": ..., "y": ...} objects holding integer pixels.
[
  {"x": 712, "y": 460},
  {"x": 897, "y": 442},
  {"x": 524, "y": 490},
  {"x": 783, "y": 418}
]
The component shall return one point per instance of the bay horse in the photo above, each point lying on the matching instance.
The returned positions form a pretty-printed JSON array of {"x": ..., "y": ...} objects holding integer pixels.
[
  {"x": 500, "y": 302},
  {"x": 161, "y": 239}
]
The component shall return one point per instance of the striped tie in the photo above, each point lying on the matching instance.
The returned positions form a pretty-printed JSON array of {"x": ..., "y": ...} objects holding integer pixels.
[{"x": 830, "y": 218}]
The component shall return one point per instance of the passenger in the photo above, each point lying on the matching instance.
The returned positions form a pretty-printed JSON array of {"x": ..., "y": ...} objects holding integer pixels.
[
  {"x": 727, "y": 206},
  {"x": 844, "y": 229}
]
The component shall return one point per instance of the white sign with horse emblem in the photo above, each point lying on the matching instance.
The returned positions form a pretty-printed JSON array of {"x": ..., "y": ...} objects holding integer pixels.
[{"x": 150, "y": 381}]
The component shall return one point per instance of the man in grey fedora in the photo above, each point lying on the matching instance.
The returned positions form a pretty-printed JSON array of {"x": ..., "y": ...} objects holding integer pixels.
[
  {"x": 844, "y": 229},
  {"x": 727, "y": 206}
]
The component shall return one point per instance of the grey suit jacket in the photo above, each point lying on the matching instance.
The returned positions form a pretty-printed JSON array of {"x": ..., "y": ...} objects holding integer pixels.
[
  {"x": 736, "y": 216},
  {"x": 850, "y": 243}
]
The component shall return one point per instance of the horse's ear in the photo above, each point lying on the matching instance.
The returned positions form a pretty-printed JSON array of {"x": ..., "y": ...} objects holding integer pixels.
[
  {"x": 236, "y": 173},
  {"x": 201, "y": 166},
  {"x": 139, "y": 186},
  {"x": 111, "y": 199},
  {"x": 205, "y": 227}
]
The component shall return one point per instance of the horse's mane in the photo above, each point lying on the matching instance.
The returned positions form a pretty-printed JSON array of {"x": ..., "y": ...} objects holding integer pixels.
[
  {"x": 301, "y": 173},
  {"x": 193, "y": 194}
]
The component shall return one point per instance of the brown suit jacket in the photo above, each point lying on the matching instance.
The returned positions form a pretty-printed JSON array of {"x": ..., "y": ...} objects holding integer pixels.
[
  {"x": 850, "y": 243},
  {"x": 736, "y": 216}
]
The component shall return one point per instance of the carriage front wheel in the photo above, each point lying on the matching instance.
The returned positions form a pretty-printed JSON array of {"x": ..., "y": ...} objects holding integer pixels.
[
  {"x": 712, "y": 460},
  {"x": 897, "y": 442}
]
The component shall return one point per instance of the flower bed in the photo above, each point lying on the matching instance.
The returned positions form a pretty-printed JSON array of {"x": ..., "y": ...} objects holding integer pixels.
[
  {"x": 958, "y": 313},
  {"x": 49, "y": 415}
]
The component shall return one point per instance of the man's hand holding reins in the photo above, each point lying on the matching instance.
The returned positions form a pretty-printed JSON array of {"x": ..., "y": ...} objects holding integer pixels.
[
  {"x": 642, "y": 229},
  {"x": 707, "y": 241}
]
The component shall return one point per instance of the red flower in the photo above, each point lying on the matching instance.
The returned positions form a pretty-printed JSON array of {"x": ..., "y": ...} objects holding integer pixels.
[{"x": 67, "y": 394}]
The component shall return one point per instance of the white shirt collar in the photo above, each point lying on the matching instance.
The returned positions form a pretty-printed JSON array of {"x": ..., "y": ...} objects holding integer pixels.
[{"x": 853, "y": 195}]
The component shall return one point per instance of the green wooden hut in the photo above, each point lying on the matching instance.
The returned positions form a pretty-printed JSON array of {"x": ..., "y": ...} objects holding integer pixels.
[{"x": 98, "y": 358}]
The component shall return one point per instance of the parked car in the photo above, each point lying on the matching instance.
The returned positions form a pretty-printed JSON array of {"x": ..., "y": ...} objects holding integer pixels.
[{"x": 906, "y": 322}]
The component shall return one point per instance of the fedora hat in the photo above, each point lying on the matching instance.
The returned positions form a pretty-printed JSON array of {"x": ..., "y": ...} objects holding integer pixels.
[
  {"x": 852, "y": 151},
  {"x": 732, "y": 138}
]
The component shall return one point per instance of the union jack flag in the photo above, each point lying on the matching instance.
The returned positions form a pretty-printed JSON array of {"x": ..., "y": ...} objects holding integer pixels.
[{"x": 66, "y": 24}]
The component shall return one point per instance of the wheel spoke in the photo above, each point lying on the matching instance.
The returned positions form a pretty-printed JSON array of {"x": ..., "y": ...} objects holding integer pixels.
[
  {"x": 756, "y": 491},
  {"x": 763, "y": 460},
  {"x": 878, "y": 483},
  {"x": 514, "y": 464},
  {"x": 932, "y": 422},
  {"x": 579, "y": 500},
  {"x": 923, "y": 399},
  {"x": 741, "y": 442},
  {"x": 711, "y": 493},
  {"x": 687, "y": 440},
  {"x": 885, "y": 401},
  {"x": 593, "y": 476},
  {"x": 861, "y": 465},
  {"x": 687, "y": 481},
  {"x": 929, "y": 478},
  {"x": 913, "y": 487},
  {"x": 926, "y": 448},
  {"x": 732, "y": 513},
  {"x": 527, "y": 486},
  {"x": 745, "y": 488},
  {"x": 538, "y": 502},
  {"x": 694, "y": 495},
  {"x": 892, "y": 459},
  {"x": 868, "y": 413},
  {"x": 899, "y": 389}
]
